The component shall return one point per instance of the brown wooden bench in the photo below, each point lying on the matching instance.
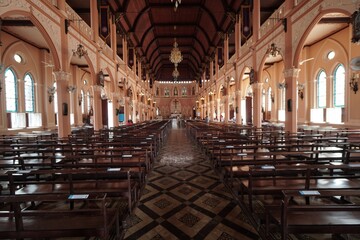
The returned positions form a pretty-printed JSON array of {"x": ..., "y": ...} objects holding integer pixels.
[
  {"x": 272, "y": 180},
  {"x": 336, "y": 217},
  {"x": 113, "y": 182},
  {"x": 47, "y": 216}
]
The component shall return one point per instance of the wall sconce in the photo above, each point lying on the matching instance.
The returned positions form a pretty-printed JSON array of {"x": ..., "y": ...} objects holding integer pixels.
[
  {"x": 301, "y": 90},
  {"x": 272, "y": 97},
  {"x": 354, "y": 82},
  {"x": 51, "y": 92},
  {"x": 281, "y": 85},
  {"x": 71, "y": 89},
  {"x": 80, "y": 99}
]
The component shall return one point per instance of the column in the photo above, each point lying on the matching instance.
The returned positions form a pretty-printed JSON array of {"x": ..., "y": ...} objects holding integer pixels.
[
  {"x": 3, "y": 126},
  {"x": 97, "y": 107},
  {"x": 135, "y": 105},
  {"x": 211, "y": 114},
  {"x": 257, "y": 88},
  {"x": 226, "y": 51},
  {"x": 126, "y": 109},
  {"x": 291, "y": 76},
  {"x": 63, "y": 101},
  {"x": 237, "y": 36},
  {"x": 226, "y": 108},
  {"x": 94, "y": 15},
  {"x": 238, "y": 106},
  {"x": 218, "y": 113},
  {"x": 256, "y": 20}
]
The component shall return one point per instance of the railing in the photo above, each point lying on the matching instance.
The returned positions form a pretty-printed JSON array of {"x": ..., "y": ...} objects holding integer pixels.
[
  {"x": 80, "y": 24},
  {"x": 272, "y": 21}
]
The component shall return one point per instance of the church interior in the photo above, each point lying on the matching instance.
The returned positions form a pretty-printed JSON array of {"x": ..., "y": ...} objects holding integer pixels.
[{"x": 180, "y": 119}]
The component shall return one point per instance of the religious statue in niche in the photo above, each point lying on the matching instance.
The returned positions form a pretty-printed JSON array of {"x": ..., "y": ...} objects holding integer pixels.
[
  {"x": 157, "y": 92},
  {"x": 175, "y": 91}
]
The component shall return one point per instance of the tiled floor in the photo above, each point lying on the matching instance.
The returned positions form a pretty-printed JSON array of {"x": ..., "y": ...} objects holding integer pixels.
[{"x": 184, "y": 198}]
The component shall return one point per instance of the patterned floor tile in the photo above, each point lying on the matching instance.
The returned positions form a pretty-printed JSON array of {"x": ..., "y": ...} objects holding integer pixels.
[
  {"x": 184, "y": 198},
  {"x": 212, "y": 203},
  {"x": 222, "y": 232},
  {"x": 183, "y": 175},
  {"x": 185, "y": 191},
  {"x": 189, "y": 221},
  {"x": 162, "y": 204}
]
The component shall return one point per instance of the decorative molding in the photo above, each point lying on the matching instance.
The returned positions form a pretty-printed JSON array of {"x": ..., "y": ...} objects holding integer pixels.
[{"x": 5, "y": 3}]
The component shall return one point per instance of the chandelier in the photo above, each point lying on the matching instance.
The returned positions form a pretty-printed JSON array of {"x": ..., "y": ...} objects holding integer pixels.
[
  {"x": 177, "y": 2},
  {"x": 175, "y": 55},
  {"x": 80, "y": 51},
  {"x": 273, "y": 50},
  {"x": 175, "y": 74}
]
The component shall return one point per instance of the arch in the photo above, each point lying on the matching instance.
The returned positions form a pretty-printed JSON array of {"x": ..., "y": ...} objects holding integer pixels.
[
  {"x": 305, "y": 34},
  {"x": 43, "y": 31}
]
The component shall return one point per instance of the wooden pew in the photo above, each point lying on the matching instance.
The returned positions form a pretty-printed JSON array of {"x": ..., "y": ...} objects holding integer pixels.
[
  {"x": 35, "y": 216},
  {"x": 272, "y": 180},
  {"x": 318, "y": 217},
  {"x": 114, "y": 182}
]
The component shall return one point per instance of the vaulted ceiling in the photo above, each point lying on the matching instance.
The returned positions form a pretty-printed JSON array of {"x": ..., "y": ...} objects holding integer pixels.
[
  {"x": 151, "y": 26},
  {"x": 199, "y": 26}
]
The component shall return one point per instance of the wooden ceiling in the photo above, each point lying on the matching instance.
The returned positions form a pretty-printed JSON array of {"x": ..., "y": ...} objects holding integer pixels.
[{"x": 199, "y": 26}]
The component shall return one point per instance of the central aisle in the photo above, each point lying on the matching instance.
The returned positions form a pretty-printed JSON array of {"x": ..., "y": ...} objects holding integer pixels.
[{"x": 185, "y": 199}]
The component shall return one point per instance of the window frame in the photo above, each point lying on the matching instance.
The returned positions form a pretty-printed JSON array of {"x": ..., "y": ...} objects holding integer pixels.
[
  {"x": 8, "y": 97},
  {"x": 32, "y": 86}
]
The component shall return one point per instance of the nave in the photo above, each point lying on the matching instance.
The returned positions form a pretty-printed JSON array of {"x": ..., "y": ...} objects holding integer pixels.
[{"x": 185, "y": 199}]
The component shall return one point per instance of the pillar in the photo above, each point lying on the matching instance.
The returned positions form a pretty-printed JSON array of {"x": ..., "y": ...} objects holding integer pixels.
[
  {"x": 226, "y": 108},
  {"x": 291, "y": 76},
  {"x": 135, "y": 106},
  {"x": 218, "y": 109},
  {"x": 63, "y": 101},
  {"x": 257, "y": 89},
  {"x": 97, "y": 107},
  {"x": 238, "y": 106}
]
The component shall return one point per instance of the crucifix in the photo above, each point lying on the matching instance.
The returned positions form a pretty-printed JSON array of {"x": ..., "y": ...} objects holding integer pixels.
[{"x": 175, "y": 102}]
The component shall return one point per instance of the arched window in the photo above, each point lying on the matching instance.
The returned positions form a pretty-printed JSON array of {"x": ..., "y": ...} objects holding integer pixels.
[
  {"x": 269, "y": 99},
  {"x": 339, "y": 86},
  {"x": 282, "y": 96},
  {"x": 55, "y": 99},
  {"x": 82, "y": 97},
  {"x": 11, "y": 91},
  {"x": 184, "y": 91},
  {"x": 88, "y": 101},
  {"x": 321, "y": 89},
  {"x": 29, "y": 93},
  {"x": 263, "y": 100}
]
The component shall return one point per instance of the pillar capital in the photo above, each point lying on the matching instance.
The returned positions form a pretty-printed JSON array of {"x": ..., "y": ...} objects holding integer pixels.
[
  {"x": 62, "y": 75},
  {"x": 291, "y": 72},
  {"x": 257, "y": 85}
]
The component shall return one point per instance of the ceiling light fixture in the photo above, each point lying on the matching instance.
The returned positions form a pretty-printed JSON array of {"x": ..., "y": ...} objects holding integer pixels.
[
  {"x": 80, "y": 51},
  {"x": 175, "y": 74},
  {"x": 177, "y": 2},
  {"x": 273, "y": 50},
  {"x": 175, "y": 55}
]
